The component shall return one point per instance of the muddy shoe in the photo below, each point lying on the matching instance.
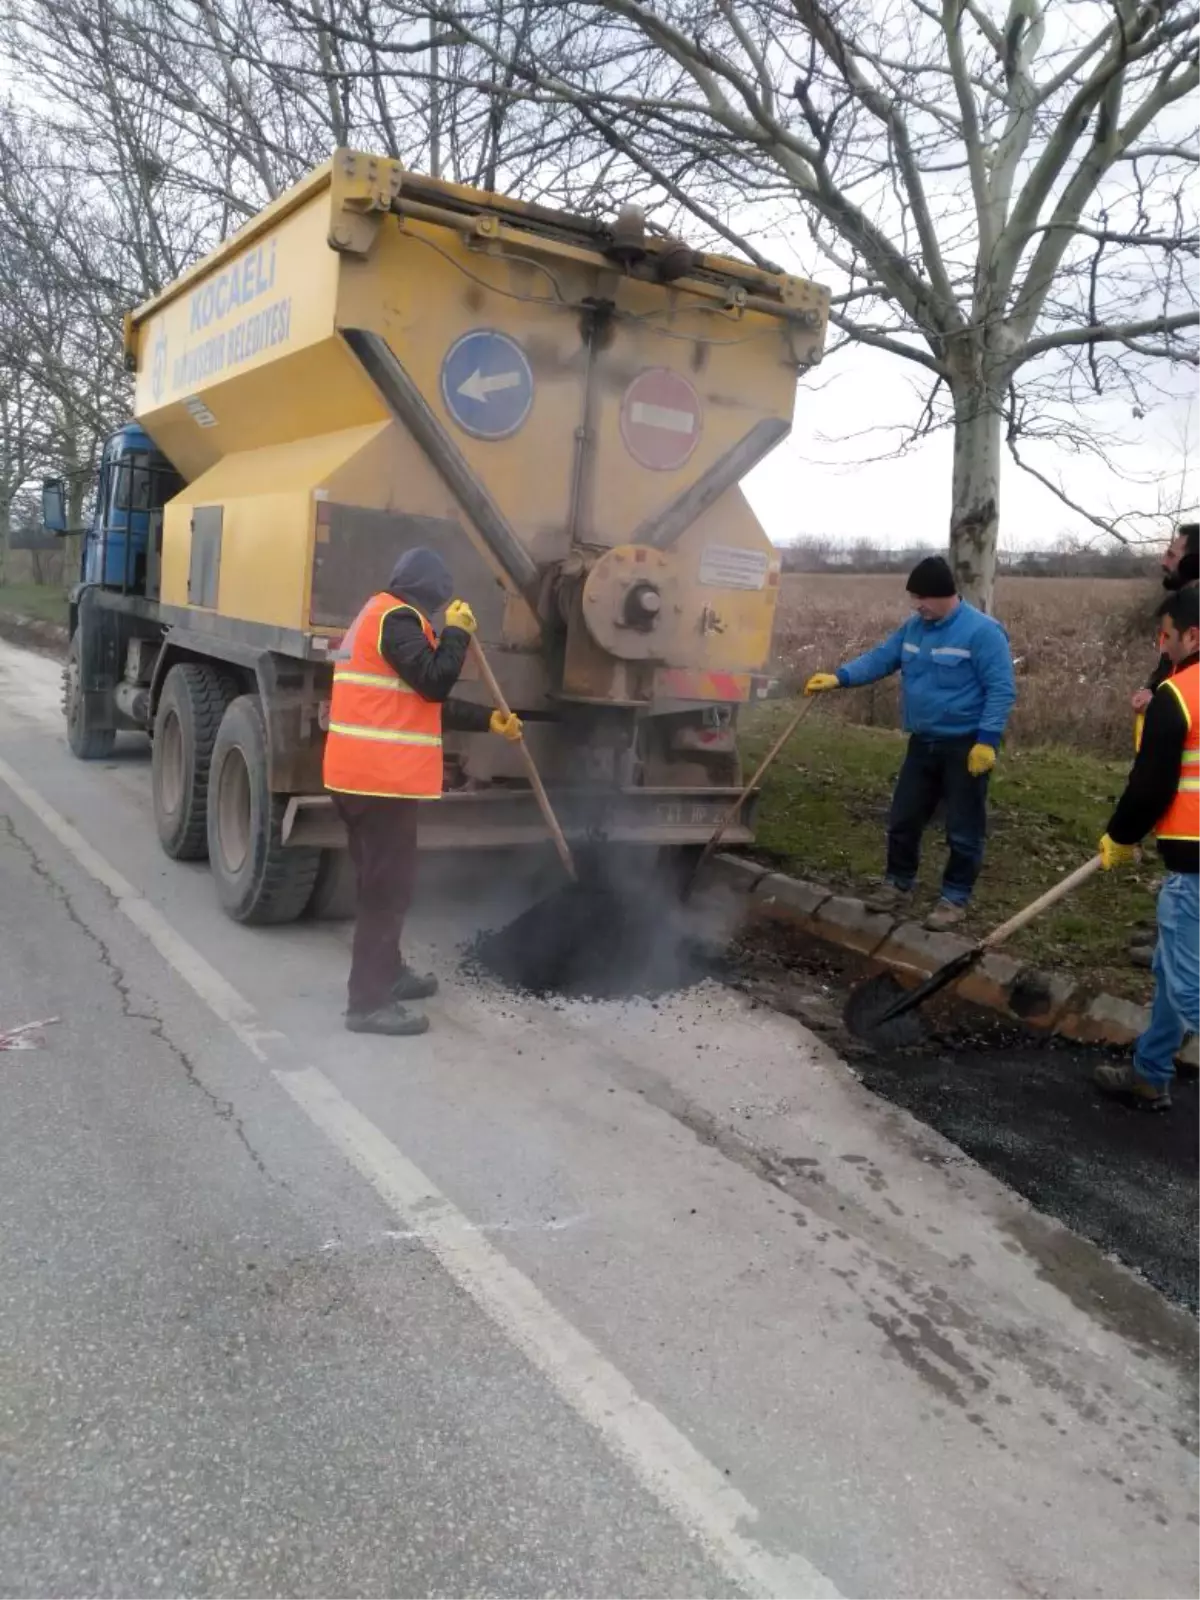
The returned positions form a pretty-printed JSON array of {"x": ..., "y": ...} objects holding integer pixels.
[
  {"x": 944, "y": 916},
  {"x": 889, "y": 900},
  {"x": 412, "y": 985},
  {"x": 1119, "y": 1078},
  {"x": 392, "y": 1020}
]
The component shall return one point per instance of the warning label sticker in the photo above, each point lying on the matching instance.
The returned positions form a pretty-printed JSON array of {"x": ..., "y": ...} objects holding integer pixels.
[{"x": 723, "y": 566}]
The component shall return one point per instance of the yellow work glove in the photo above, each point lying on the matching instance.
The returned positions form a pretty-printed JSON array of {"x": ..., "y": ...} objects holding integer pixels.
[
  {"x": 821, "y": 683},
  {"x": 460, "y": 615},
  {"x": 506, "y": 724},
  {"x": 1113, "y": 854},
  {"x": 981, "y": 759}
]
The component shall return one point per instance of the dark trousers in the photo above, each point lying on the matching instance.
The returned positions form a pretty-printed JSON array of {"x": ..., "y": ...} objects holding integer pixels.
[
  {"x": 383, "y": 847},
  {"x": 935, "y": 773}
]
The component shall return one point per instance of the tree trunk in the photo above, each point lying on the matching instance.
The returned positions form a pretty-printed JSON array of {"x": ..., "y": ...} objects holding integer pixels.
[{"x": 975, "y": 495}]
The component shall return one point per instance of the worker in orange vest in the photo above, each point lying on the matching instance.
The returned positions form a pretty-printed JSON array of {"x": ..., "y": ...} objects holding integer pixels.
[
  {"x": 1163, "y": 796},
  {"x": 1180, "y": 568},
  {"x": 383, "y": 755}
]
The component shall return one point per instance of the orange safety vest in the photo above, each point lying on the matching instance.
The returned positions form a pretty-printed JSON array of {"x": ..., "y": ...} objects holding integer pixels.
[
  {"x": 1181, "y": 820},
  {"x": 384, "y": 738}
]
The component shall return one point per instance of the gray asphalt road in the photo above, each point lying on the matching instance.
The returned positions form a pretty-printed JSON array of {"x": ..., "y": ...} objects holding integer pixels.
[{"x": 564, "y": 1298}]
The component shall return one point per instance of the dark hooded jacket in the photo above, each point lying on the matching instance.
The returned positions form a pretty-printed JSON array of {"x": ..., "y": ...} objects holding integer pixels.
[{"x": 423, "y": 579}]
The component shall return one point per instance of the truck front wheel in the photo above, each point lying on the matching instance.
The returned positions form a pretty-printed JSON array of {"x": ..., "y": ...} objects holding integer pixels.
[
  {"x": 189, "y": 713},
  {"x": 87, "y": 742},
  {"x": 258, "y": 880}
]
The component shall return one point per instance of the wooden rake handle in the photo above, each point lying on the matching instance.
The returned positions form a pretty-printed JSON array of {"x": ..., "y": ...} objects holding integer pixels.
[
  {"x": 1042, "y": 903},
  {"x": 535, "y": 779},
  {"x": 731, "y": 813}
]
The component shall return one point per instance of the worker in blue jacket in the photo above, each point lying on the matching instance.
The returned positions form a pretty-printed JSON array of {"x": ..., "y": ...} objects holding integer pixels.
[{"x": 957, "y": 690}]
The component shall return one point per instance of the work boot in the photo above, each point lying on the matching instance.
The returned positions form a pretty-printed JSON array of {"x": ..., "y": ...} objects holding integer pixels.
[
  {"x": 1120, "y": 1078},
  {"x": 391, "y": 1019},
  {"x": 889, "y": 899},
  {"x": 412, "y": 985},
  {"x": 944, "y": 916}
]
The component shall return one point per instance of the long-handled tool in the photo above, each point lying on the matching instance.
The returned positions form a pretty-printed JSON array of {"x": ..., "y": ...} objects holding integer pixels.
[
  {"x": 535, "y": 781},
  {"x": 883, "y": 1012},
  {"x": 729, "y": 816}
]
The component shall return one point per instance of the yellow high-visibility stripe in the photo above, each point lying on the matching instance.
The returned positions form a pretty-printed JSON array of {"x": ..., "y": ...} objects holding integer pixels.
[
  {"x": 373, "y": 680},
  {"x": 401, "y": 605},
  {"x": 385, "y": 735},
  {"x": 1183, "y": 705},
  {"x": 381, "y": 794},
  {"x": 1189, "y": 786}
]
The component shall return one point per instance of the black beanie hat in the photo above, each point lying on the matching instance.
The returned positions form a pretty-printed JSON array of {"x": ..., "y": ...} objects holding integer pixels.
[{"x": 931, "y": 579}]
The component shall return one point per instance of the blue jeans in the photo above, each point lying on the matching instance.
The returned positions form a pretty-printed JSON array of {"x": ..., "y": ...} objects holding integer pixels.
[
  {"x": 1176, "y": 1008},
  {"x": 935, "y": 771}
]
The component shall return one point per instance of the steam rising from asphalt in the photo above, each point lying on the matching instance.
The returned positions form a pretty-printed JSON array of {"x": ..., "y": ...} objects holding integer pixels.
[{"x": 620, "y": 931}]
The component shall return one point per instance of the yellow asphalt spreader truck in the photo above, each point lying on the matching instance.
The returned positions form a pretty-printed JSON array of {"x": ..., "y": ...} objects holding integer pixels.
[{"x": 562, "y": 406}]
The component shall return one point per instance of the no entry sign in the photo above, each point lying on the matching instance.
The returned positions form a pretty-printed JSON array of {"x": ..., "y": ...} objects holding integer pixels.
[{"x": 660, "y": 419}]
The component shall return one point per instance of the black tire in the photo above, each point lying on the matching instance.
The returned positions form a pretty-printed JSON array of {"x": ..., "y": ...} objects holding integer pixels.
[
  {"x": 87, "y": 742},
  {"x": 258, "y": 880},
  {"x": 190, "y": 708},
  {"x": 335, "y": 896}
]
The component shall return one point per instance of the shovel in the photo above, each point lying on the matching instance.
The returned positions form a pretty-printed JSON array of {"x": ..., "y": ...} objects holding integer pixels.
[
  {"x": 882, "y": 1012},
  {"x": 535, "y": 781},
  {"x": 728, "y": 816}
]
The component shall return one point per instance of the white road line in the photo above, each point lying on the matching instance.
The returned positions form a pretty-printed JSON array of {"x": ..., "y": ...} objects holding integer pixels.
[
  {"x": 666, "y": 1463},
  {"x": 217, "y": 993},
  {"x": 662, "y": 1459}
]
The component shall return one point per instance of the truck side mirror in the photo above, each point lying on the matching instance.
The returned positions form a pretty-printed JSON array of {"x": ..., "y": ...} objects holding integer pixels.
[{"x": 54, "y": 505}]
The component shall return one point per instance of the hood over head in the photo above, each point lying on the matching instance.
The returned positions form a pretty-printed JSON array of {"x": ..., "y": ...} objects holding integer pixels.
[{"x": 422, "y": 578}]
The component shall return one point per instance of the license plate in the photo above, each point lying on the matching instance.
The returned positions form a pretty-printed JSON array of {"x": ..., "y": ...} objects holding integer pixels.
[{"x": 688, "y": 813}]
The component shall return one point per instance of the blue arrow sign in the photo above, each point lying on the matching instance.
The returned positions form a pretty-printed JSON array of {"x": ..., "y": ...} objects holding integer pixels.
[{"x": 487, "y": 384}]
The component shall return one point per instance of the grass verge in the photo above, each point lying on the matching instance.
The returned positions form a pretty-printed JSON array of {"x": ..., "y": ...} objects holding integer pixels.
[
  {"x": 823, "y": 815},
  {"x": 44, "y": 601}
]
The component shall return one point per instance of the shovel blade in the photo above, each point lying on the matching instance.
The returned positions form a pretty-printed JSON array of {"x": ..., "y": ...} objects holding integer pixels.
[{"x": 865, "y": 1015}]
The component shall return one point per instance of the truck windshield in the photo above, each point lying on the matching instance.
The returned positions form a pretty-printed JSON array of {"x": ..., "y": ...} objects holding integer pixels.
[{"x": 142, "y": 482}]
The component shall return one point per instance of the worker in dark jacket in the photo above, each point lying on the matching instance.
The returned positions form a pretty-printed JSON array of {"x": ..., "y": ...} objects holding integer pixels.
[
  {"x": 958, "y": 688},
  {"x": 1180, "y": 569},
  {"x": 1163, "y": 796},
  {"x": 383, "y": 756}
]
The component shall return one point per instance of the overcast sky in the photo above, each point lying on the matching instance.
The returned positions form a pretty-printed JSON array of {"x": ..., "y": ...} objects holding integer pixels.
[{"x": 819, "y": 481}]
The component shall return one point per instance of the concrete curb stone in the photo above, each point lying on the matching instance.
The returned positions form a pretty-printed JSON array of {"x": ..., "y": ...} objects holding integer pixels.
[
  {"x": 845, "y": 921},
  {"x": 916, "y": 948},
  {"x": 790, "y": 900},
  {"x": 856, "y": 928},
  {"x": 1105, "y": 1018},
  {"x": 736, "y": 872}
]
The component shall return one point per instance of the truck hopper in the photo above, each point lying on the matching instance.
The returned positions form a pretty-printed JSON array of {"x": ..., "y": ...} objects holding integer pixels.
[{"x": 563, "y": 406}]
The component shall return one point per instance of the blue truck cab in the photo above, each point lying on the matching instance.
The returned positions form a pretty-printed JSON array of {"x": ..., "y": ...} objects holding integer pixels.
[
  {"x": 114, "y": 618},
  {"x": 122, "y": 539}
]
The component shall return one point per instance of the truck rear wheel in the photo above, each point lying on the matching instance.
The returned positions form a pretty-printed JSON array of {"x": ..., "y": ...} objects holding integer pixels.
[
  {"x": 258, "y": 880},
  {"x": 87, "y": 742},
  {"x": 189, "y": 714}
]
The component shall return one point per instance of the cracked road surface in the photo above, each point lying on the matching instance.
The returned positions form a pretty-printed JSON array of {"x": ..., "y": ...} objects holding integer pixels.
[{"x": 576, "y": 1298}]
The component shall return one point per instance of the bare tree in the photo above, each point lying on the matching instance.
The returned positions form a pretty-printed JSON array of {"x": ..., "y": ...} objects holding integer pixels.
[{"x": 998, "y": 192}]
